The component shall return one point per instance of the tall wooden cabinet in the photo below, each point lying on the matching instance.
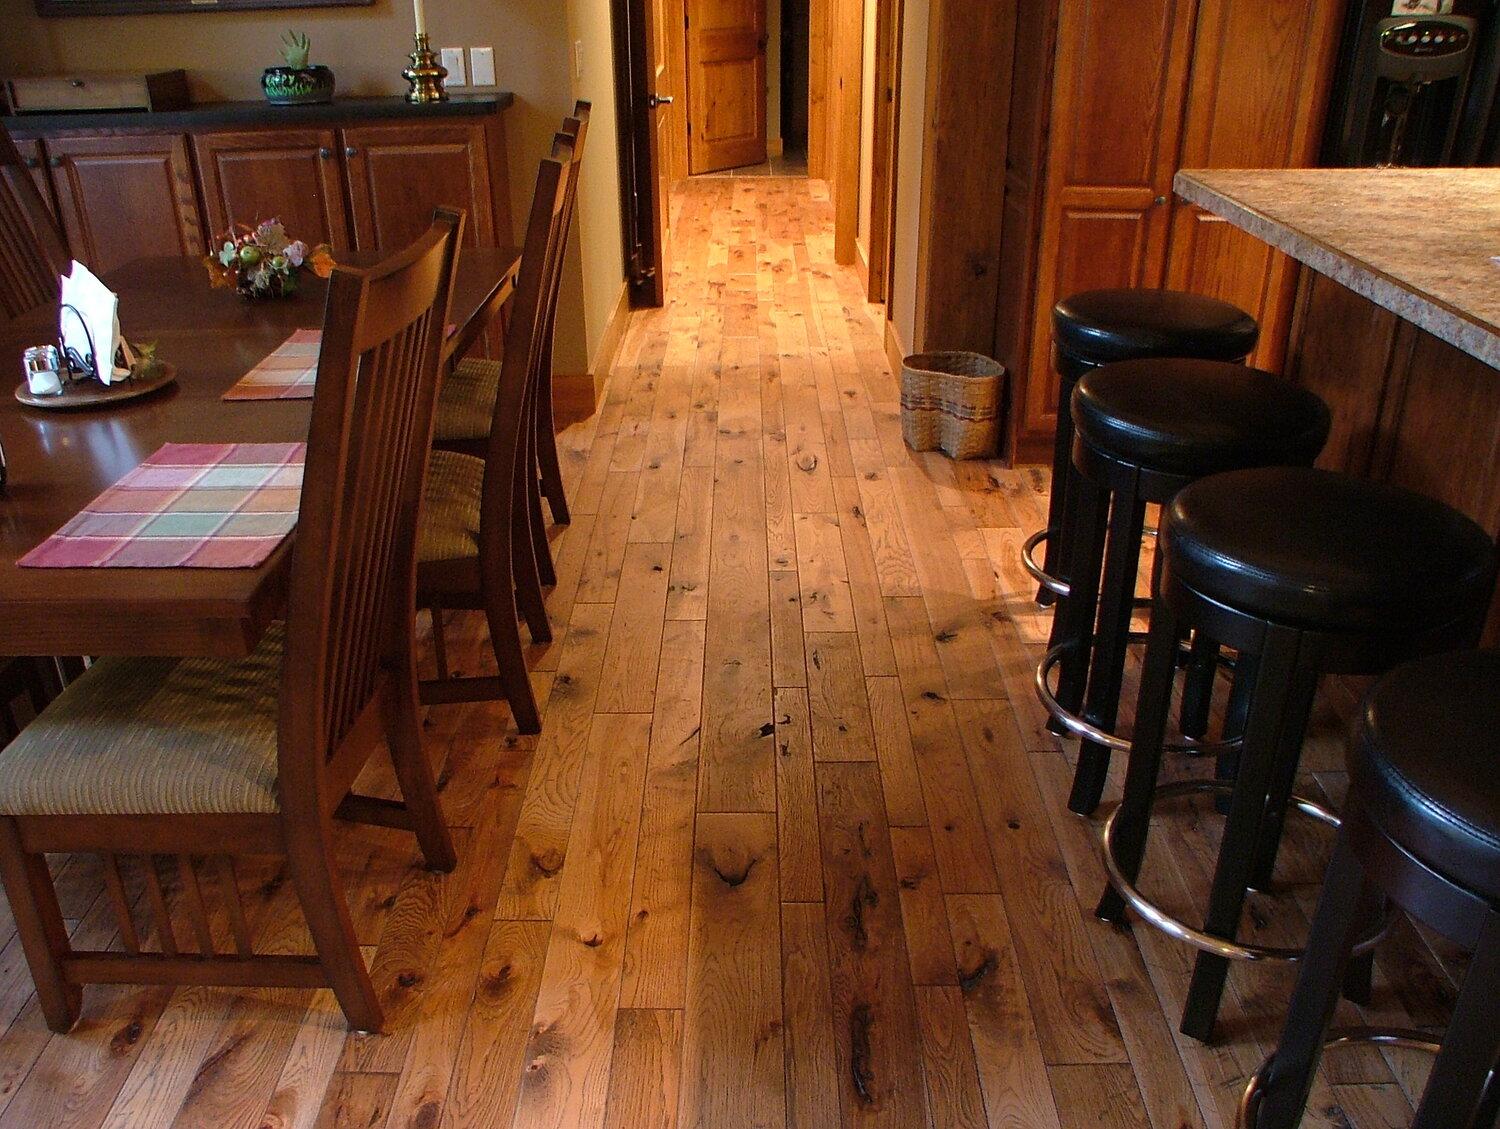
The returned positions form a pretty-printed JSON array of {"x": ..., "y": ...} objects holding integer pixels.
[{"x": 1176, "y": 84}]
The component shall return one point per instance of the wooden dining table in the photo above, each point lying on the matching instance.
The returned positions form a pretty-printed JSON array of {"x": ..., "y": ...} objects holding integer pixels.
[{"x": 59, "y": 461}]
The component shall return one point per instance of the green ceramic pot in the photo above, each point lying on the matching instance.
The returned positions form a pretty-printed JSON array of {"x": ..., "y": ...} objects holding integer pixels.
[{"x": 297, "y": 86}]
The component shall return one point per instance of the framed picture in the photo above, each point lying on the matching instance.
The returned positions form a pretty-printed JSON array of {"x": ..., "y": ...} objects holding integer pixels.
[{"x": 131, "y": 7}]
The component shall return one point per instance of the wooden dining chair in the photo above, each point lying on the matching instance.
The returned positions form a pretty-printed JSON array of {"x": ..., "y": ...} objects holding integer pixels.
[
  {"x": 475, "y": 548},
  {"x": 33, "y": 252},
  {"x": 208, "y": 760},
  {"x": 466, "y": 403}
]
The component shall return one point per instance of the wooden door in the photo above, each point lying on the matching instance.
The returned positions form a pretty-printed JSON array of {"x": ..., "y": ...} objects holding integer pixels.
[
  {"x": 726, "y": 66},
  {"x": 125, "y": 197},
  {"x": 286, "y": 174},
  {"x": 1117, "y": 105},
  {"x": 665, "y": 102},
  {"x": 1259, "y": 91},
  {"x": 399, "y": 173}
]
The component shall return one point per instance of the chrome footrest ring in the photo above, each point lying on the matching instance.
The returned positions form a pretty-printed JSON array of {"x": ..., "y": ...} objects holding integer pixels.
[
  {"x": 1051, "y": 583},
  {"x": 1401, "y": 1038},
  {"x": 1079, "y": 727},
  {"x": 1158, "y": 918}
]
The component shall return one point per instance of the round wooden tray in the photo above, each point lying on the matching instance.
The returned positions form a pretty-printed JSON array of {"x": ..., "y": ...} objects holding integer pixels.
[{"x": 77, "y": 394}]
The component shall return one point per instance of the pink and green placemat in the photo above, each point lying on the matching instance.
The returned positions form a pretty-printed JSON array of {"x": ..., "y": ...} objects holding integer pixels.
[
  {"x": 190, "y": 505},
  {"x": 289, "y": 372}
]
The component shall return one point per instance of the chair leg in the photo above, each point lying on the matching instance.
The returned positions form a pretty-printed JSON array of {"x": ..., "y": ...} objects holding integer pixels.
[
  {"x": 1264, "y": 735},
  {"x": 1133, "y": 820},
  {"x": 1289, "y": 1078},
  {"x": 1073, "y": 618},
  {"x": 1058, "y": 514},
  {"x": 505, "y": 641},
  {"x": 1236, "y": 710},
  {"x": 39, "y": 921},
  {"x": 1456, "y": 1088},
  {"x": 1107, "y": 666},
  {"x": 403, "y": 732},
  {"x": 1268, "y": 839},
  {"x": 439, "y": 641},
  {"x": 547, "y": 464},
  {"x": 541, "y": 548},
  {"x": 526, "y": 577},
  {"x": 309, "y": 855},
  {"x": 1198, "y": 686}
]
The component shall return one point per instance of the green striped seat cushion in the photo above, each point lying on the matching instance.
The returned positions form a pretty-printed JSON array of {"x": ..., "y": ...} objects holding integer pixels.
[
  {"x": 449, "y": 529},
  {"x": 153, "y": 737},
  {"x": 466, "y": 402}
]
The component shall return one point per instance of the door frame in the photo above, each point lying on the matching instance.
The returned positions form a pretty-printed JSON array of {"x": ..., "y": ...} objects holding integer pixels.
[
  {"x": 642, "y": 210},
  {"x": 888, "y": 18}
]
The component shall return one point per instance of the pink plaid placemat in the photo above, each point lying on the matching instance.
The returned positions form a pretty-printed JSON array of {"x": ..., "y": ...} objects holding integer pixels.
[
  {"x": 288, "y": 373},
  {"x": 190, "y": 505}
]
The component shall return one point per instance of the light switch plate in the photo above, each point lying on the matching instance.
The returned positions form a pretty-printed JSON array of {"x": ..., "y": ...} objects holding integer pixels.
[
  {"x": 453, "y": 59},
  {"x": 482, "y": 65},
  {"x": 577, "y": 60}
]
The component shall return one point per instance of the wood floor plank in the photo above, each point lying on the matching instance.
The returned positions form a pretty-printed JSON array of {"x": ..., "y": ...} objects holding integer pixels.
[
  {"x": 841, "y": 728},
  {"x": 798, "y": 856},
  {"x": 812, "y": 1087},
  {"x": 356, "y": 1101},
  {"x": 929, "y": 944},
  {"x": 1098, "y": 1096},
  {"x": 645, "y": 1071},
  {"x": 566, "y": 1078},
  {"x": 733, "y": 1072},
  {"x": 864, "y": 581},
  {"x": 788, "y": 659},
  {"x": 657, "y": 938},
  {"x": 875, "y": 1025},
  {"x": 627, "y": 681},
  {"x": 900, "y": 778},
  {"x": 826, "y": 602},
  {"x": 687, "y": 593},
  {"x": 952, "y": 1082}
]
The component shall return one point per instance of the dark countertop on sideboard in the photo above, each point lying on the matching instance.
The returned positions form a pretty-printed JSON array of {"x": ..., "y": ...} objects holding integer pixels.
[{"x": 209, "y": 115}]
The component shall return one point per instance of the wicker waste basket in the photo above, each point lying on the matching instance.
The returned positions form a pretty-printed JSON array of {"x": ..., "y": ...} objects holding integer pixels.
[{"x": 951, "y": 401}]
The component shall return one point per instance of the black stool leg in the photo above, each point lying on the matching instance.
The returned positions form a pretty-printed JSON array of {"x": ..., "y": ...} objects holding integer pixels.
[
  {"x": 1289, "y": 1078},
  {"x": 1073, "y": 620},
  {"x": 1054, "y": 562},
  {"x": 1489, "y": 1109},
  {"x": 1236, "y": 710},
  {"x": 1133, "y": 820},
  {"x": 1456, "y": 1087},
  {"x": 1268, "y": 839},
  {"x": 1198, "y": 686},
  {"x": 1265, "y": 728},
  {"x": 1107, "y": 667}
]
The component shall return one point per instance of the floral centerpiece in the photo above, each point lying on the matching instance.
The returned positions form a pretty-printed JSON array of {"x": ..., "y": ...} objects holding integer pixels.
[{"x": 261, "y": 262}]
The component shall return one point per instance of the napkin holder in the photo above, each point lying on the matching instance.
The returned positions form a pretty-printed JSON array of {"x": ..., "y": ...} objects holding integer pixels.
[{"x": 83, "y": 365}]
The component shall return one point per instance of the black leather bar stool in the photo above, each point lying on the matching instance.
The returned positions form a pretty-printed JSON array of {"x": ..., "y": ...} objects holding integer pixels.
[
  {"x": 1422, "y": 828},
  {"x": 1098, "y": 327},
  {"x": 1306, "y": 573},
  {"x": 1143, "y": 431}
]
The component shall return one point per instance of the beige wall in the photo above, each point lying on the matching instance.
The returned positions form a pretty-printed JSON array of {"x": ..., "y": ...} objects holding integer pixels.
[
  {"x": 909, "y": 179},
  {"x": 224, "y": 53},
  {"x": 773, "y": 74}
]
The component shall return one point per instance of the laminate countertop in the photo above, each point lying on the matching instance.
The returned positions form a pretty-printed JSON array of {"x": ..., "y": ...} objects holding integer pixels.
[{"x": 1419, "y": 242}]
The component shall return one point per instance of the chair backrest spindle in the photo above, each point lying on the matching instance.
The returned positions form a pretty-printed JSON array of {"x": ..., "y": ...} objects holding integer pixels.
[{"x": 33, "y": 253}]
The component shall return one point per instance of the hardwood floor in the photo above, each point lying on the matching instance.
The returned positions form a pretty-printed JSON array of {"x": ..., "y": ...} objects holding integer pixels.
[{"x": 792, "y": 849}]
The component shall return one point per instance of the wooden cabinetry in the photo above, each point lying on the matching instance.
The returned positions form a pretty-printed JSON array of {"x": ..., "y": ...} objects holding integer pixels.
[
  {"x": 1177, "y": 84},
  {"x": 398, "y": 175},
  {"x": 291, "y": 174},
  {"x": 36, "y": 163},
  {"x": 121, "y": 197},
  {"x": 358, "y": 173}
]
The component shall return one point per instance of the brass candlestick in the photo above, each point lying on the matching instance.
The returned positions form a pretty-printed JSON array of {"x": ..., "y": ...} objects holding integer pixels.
[{"x": 425, "y": 74}]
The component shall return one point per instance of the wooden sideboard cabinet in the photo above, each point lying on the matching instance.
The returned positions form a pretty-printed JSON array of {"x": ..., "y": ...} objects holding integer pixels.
[{"x": 361, "y": 173}]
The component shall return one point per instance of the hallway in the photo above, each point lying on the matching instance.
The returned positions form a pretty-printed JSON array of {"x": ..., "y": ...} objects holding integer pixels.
[{"x": 792, "y": 849}]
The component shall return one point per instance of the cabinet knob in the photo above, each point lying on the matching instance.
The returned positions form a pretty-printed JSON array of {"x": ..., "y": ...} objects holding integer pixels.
[
  {"x": 33, "y": 163},
  {"x": 1159, "y": 201},
  {"x": 325, "y": 153},
  {"x": 55, "y": 162},
  {"x": 350, "y": 151}
]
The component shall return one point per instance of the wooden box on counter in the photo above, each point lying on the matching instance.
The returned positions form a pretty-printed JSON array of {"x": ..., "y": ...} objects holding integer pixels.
[{"x": 360, "y": 173}]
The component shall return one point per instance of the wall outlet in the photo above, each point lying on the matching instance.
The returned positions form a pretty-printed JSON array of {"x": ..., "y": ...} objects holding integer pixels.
[
  {"x": 577, "y": 60},
  {"x": 453, "y": 59},
  {"x": 482, "y": 65}
]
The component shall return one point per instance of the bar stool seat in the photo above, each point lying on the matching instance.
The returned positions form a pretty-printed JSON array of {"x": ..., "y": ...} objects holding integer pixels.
[
  {"x": 1102, "y": 326},
  {"x": 1195, "y": 417},
  {"x": 1422, "y": 827},
  {"x": 1423, "y": 777},
  {"x": 1310, "y": 547}
]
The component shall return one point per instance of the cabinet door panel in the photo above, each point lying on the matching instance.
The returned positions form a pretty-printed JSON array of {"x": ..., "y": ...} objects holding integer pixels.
[
  {"x": 286, "y": 174},
  {"x": 35, "y": 161},
  {"x": 124, "y": 198},
  {"x": 1261, "y": 70},
  {"x": 399, "y": 173}
]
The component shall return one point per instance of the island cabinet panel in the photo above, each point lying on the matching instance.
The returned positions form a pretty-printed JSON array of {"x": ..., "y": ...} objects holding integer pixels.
[
  {"x": 1117, "y": 103},
  {"x": 288, "y": 174},
  {"x": 36, "y": 164},
  {"x": 121, "y": 197},
  {"x": 398, "y": 173},
  {"x": 1176, "y": 84}
]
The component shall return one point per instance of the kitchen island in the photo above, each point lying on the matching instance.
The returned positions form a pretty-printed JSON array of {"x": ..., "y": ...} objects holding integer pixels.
[{"x": 1397, "y": 321}]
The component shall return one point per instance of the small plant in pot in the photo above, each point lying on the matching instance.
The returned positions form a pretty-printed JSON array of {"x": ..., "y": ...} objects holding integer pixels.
[{"x": 297, "y": 84}]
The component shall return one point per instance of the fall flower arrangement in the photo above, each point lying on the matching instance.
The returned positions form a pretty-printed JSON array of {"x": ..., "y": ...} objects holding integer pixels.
[{"x": 261, "y": 262}]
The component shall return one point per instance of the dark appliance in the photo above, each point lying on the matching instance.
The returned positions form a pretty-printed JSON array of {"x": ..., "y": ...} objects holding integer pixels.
[{"x": 1417, "y": 87}]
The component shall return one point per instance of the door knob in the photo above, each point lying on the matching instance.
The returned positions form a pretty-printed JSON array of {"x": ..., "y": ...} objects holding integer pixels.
[{"x": 659, "y": 100}]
